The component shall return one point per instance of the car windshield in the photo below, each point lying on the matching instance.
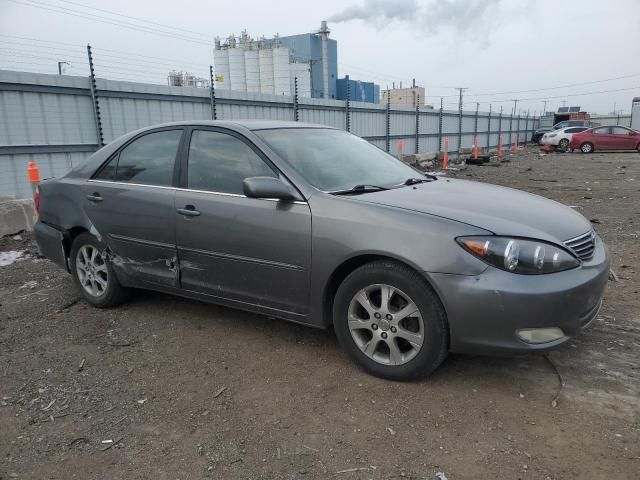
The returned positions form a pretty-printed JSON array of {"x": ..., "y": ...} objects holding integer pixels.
[{"x": 334, "y": 160}]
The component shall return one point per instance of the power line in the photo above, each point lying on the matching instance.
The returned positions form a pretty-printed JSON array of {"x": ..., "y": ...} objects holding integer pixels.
[
  {"x": 143, "y": 20},
  {"x": 134, "y": 57},
  {"x": 109, "y": 21},
  {"x": 557, "y": 87}
]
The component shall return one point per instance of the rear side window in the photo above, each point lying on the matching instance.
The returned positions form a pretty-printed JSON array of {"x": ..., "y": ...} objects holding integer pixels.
[
  {"x": 601, "y": 131},
  {"x": 219, "y": 162},
  {"x": 619, "y": 131},
  {"x": 148, "y": 160}
]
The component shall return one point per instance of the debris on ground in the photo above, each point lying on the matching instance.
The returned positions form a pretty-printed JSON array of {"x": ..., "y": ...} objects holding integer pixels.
[{"x": 12, "y": 256}]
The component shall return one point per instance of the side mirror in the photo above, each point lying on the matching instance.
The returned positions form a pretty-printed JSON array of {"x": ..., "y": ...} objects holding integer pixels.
[{"x": 267, "y": 187}]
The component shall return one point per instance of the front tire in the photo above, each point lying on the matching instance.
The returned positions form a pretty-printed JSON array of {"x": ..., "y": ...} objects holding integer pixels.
[
  {"x": 564, "y": 144},
  {"x": 586, "y": 147},
  {"x": 390, "y": 321},
  {"x": 93, "y": 274}
]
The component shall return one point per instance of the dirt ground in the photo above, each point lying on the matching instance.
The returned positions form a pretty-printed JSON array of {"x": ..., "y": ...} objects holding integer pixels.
[{"x": 187, "y": 390}]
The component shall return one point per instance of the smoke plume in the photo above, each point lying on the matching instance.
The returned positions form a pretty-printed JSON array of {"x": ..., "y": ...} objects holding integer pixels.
[{"x": 432, "y": 16}]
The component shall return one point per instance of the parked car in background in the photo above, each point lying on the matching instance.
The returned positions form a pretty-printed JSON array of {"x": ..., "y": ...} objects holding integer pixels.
[
  {"x": 561, "y": 138},
  {"x": 606, "y": 138},
  {"x": 537, "y": 135},
  {"x": 317, "y": 226},
  {"x": 574, "y": 123}
]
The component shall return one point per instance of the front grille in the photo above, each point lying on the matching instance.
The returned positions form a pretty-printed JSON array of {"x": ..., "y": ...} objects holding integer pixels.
[{"x": 583, "y": 246}]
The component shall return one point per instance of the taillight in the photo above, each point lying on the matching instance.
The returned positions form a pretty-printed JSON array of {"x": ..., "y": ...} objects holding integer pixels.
[{"x": 36, "y": 201}]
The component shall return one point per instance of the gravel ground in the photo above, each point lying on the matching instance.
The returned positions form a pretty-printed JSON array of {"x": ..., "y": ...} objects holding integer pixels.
[{"x": 186, "y": 390}]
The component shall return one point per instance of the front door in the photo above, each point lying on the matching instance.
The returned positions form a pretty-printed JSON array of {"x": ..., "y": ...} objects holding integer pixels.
[
  {"x": 622, "y": 139},
  {"x": 130, "y": 203},
  {"x": 253, "y": 252}
]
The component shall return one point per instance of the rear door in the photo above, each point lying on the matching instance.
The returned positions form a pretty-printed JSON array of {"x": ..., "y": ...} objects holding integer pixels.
[
  {"x": 600, "y": 137},
  {"x": 622, "y": 139},
  {"x": 252, "y": 252},
  {"x": 130, "y": 202}
]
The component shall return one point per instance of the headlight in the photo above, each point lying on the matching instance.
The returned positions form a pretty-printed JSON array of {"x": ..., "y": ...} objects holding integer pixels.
[
  {"x": 553, "y": 135},
  {"x": 528, "y": 257}
]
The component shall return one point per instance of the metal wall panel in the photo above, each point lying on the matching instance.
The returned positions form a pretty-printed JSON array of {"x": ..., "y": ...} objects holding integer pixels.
[
  {"x": 50, "y": 119},
  {"x": 13, "y": 170}
]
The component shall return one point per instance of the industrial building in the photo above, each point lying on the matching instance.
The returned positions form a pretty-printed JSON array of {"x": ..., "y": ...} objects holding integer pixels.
[
  {"x": 405, "y": 97},
  {"x": 186, "y": 79},
  {"x": 357, "y": 90},
  {"x": 270, "y": 66}
]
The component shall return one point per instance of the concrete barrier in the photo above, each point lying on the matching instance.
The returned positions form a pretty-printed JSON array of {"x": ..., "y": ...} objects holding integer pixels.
[{"x": 16, "y": 215}]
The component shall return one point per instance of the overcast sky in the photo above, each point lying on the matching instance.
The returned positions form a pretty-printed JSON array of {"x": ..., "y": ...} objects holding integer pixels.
[{"x": 488, "y": 46}]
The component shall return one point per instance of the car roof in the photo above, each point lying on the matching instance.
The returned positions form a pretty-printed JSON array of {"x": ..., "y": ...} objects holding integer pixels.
[{"x": 248, "y": 124}]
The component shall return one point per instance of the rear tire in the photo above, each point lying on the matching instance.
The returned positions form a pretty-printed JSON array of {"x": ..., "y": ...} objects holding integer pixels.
[
  {"x": 586, "y": 147},
  {"x": 390, "y": 321},
  {"x": 638, "y": 148},
  {"x": 93, "y": 274}
]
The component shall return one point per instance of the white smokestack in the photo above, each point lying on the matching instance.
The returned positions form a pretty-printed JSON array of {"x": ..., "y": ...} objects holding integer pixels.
[{"x": 324, "y": 32}]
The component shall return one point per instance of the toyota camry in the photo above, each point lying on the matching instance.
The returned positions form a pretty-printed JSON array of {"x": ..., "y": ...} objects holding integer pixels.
[{"x": 317, "y": 226}]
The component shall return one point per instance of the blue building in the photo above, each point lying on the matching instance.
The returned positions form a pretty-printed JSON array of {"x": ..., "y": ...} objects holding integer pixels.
[
  {"x": 360, "y": 91},
  {"x": 307, "y": 47}
]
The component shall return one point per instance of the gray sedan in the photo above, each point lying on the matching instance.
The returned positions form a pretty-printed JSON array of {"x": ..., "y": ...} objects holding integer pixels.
[{"x": 317, "y": 226}]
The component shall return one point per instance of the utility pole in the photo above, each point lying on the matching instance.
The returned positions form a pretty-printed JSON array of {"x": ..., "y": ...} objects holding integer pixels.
[
  {"x": 460, "y": 90},
  {"x": 513, "y": 113},
  {"x": 545, "y": 107}
]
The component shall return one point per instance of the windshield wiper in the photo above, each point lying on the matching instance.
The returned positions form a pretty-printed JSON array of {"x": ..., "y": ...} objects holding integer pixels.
[
  {"x": 357, "y": 189},
  {"x": 413, "y": 181}
]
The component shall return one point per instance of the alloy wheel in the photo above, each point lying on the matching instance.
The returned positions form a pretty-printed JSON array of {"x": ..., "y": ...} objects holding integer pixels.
[
  {"x": 586, "y": 148},
  {"x": 92, "y": 270},
  {"x": 386, "y": 324}
]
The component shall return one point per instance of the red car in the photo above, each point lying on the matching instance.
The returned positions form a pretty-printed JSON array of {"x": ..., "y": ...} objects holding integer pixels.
[{"x": 605, "y": 138}]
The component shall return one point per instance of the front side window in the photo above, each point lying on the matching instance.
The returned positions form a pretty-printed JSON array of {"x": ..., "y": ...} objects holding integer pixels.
[
  {"x": 333, "y": 160},
  {"x": 149, "y": 160},
  {"x": 219, "y": 162}
]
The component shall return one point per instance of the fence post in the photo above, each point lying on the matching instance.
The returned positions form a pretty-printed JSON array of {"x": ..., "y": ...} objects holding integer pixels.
[
  {"x": 500, "y": 124},
  {"x": 459, "y": 126},
  {"x": 295, "y": 99},
  {"x": 518, "y": 131},
  {"x": 440, "y": 127},
  {"x": 511, "y": 126},
  {"x": 347, "y": 107},
  {"x": 418, "y": 124},
  {"x": 388, "y": 122},
  {"x": 94, "y": 99},
  {"x": 526, "y": 130},
  {"x": 489, "y": 129},
  {"x": 212, "y": 94},
  {"x": 475, "y": 120}
]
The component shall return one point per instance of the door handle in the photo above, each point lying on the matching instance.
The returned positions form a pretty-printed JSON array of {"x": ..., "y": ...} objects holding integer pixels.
[
  {"x": 95, "y": 197},
  {"x": 188, "y": 211}
]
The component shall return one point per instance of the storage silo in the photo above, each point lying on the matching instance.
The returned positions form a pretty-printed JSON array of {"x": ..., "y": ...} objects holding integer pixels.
[
  {"x": 221, "y": 68},
  {"x": 237, "y": 69},
  {"x": 252, "y": 67},
  {"x": 303, "y": 72},
  {"x": 265, "y": 60},
  {"x": 281, "y": 71}
]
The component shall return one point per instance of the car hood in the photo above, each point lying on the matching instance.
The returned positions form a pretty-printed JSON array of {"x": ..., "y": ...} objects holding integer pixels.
[{"x": 501, "y": 210}]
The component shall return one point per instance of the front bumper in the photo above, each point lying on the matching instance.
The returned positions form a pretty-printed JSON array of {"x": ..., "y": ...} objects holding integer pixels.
[{"x": 486, "y": 310}]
